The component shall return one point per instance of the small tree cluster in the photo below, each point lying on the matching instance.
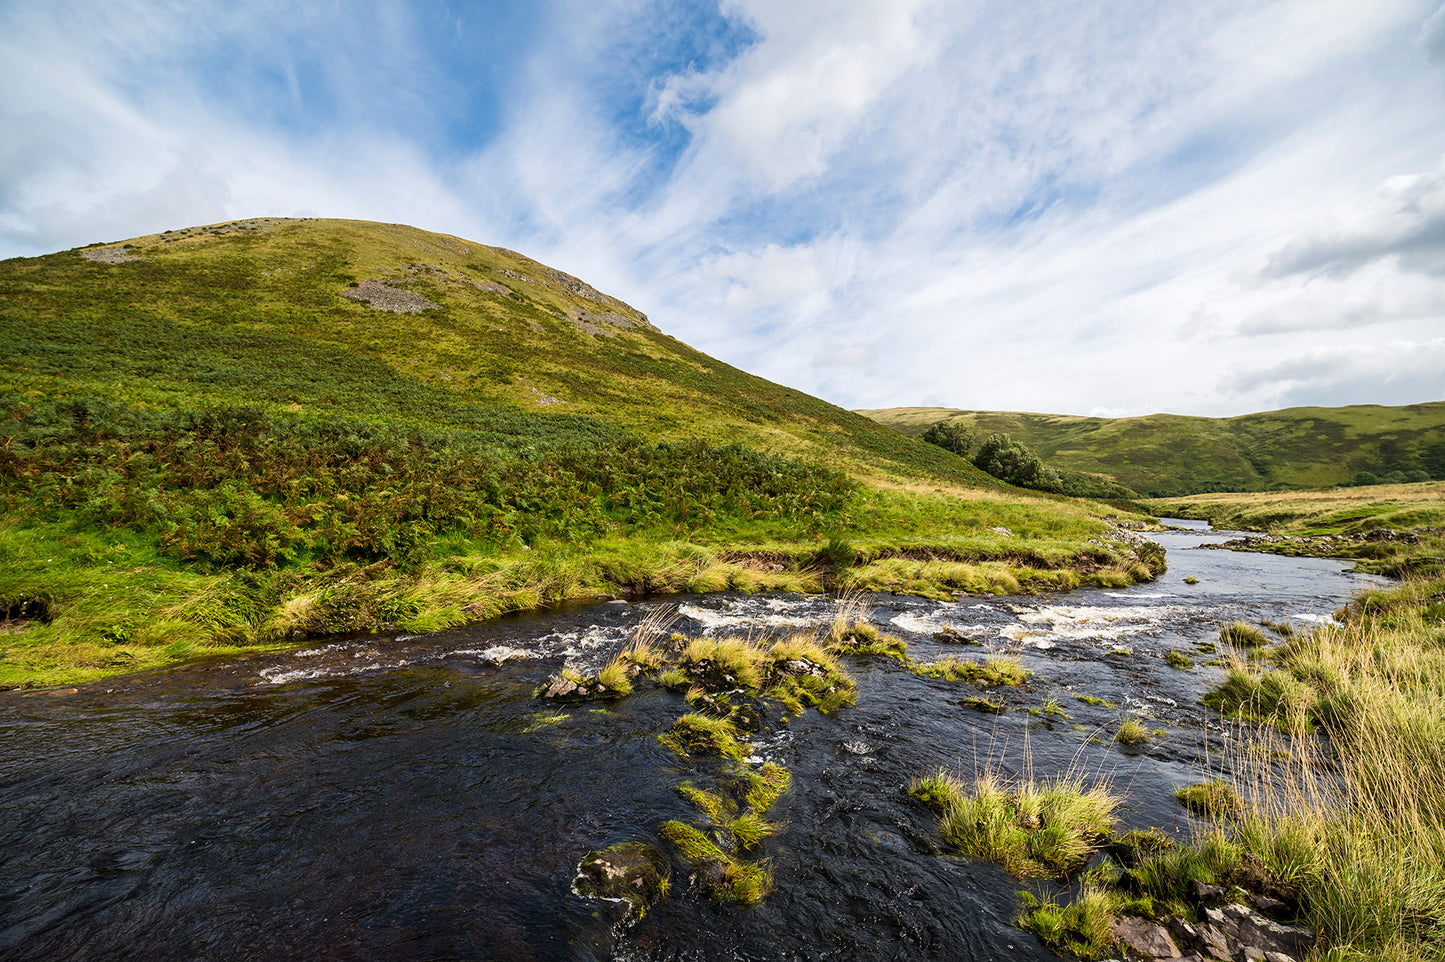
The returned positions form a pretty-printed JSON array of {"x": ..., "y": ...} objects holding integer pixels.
[
  {"x": 1011, "y": 461},
  {"x": 951, "y": 437}
]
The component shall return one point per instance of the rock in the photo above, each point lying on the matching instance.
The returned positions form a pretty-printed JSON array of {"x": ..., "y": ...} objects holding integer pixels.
[
  {"x": 1185, "y": 932},
  {"x": 1219, "y": 920},
  {"x": 628, "y": 871},
  {"x": 1267, "y": 905},
  {"x": 1145, "y": 939},
  {"x": 1213, "y": 943},
  {"x": 1292, "y": 940},
  {"x": 561, "y": 687},
  {"x": 1204, "y": 893}
]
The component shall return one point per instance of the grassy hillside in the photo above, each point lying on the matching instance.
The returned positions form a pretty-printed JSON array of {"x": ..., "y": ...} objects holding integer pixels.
[
  {"x": 1166, "y": 454},
  {"x": 246, "y": 433}
]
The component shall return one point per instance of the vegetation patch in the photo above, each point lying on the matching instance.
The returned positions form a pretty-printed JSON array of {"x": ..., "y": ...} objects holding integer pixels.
[
  {"x": 694, "y": 734},
  {"x": 1215, "y": 798},
  {"x": 1241, "y": 635},
  {"x": 991, "y": 672},
  {"x": 1034, "y": 828},
  {"x": 1132, "y": 731},
  {"x": 720, "y": 874}
]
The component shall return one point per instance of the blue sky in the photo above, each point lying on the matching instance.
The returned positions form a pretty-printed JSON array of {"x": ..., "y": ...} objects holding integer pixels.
[{"x": 1086, "y": 208}]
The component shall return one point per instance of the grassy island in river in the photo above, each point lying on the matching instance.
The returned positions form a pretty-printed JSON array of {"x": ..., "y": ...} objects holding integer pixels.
[{"x": 248, "y": 433}]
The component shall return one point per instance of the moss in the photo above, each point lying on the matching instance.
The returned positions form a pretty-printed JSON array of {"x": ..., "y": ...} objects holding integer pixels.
[{"x": 1177, "y": 659}]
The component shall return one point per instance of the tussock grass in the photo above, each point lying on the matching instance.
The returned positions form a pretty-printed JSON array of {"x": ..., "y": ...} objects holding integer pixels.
[
  {"x": 1131, "y": 731},
  {"x": 694, "y": 734},
  {"x": 1241, "y": 635},
  {"x": 1353, "y": 825},
  {"x": 1083, "y": 927},
  {"x": 617, "y": 675},
  {"x": 990, "y": 672},
  {"x": 723, "y": 876},
  {"x": 1216, "y": 797},
  {"x": 1046, "y": 828}
]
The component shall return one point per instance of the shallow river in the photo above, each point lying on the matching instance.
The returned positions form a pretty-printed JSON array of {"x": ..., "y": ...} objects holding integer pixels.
[{"x": 406, "y": 798}]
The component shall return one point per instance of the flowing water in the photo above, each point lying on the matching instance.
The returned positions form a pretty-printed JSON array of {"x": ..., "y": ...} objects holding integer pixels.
[{"x": 408, "y": 798}]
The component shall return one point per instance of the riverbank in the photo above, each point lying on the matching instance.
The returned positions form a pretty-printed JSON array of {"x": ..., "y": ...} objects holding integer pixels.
[
  {"x": 1333, "y": 808},
  {"x": 1392, "y": 529},
  {"x": 88, "y": 602}
]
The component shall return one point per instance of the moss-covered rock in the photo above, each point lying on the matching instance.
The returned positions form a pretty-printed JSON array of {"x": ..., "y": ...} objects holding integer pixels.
[{"x": 633, "y": 872}]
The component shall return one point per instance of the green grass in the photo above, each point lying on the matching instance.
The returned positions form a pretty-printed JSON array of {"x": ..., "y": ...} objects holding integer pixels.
[
  {"x": 1217, "y": 798},
  {"x": 207, "y": 448},
  {"x": 1241, "y": 635},
  {"x": 696, "y": 734},
  {"x": 726, "y": 878},
  {"x": 1083, "y": 927},
  {"x": 1034, "y": 828},
  {"x": 1131, "y": 731},
  {"x": 991, "y": 672}
]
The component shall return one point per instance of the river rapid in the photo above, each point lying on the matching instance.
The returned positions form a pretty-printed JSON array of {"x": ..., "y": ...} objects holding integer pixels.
[{"x": 407, "y": 798}]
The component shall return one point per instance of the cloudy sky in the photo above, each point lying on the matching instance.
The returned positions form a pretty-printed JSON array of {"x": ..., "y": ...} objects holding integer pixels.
[{"x": 1110, "y": 208}]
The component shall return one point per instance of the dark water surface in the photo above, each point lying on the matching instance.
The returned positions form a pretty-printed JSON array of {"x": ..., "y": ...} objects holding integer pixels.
[{"x": 407, "y": 798}]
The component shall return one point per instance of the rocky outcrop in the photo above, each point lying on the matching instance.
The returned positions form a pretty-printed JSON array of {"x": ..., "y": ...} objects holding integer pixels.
[
  {"x": 384, "y": 297},
  {"x": 1226, "y": 933}
]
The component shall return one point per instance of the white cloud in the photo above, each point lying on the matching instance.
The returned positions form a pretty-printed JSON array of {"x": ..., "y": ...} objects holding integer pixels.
[
  {"x": 1404, "y": 220},
  {"x": 1398, "y": 372},
  {"x": 1028, "y": 206},
  {"x": 1432, "y": 36}
]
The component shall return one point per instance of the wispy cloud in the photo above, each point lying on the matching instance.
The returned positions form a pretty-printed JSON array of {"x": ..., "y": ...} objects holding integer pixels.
[{"x": 1126, "y": 207}]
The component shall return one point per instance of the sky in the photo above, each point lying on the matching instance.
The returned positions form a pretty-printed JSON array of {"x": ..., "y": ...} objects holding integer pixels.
[{"x": 1111, "y": 208}]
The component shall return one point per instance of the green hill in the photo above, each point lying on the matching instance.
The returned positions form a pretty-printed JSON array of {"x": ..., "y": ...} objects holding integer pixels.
[
  {"x": 250, "y": 432},
  {"x": 1161, "y": 455}
]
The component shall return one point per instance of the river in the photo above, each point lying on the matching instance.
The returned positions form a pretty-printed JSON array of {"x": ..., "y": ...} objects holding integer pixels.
[{"x": 407, "y": 798}]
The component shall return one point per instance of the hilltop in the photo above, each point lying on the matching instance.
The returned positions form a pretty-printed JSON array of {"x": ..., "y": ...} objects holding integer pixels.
[
  {"x": 254, "y": 432},
  {"x": 1162, "y": 455}
]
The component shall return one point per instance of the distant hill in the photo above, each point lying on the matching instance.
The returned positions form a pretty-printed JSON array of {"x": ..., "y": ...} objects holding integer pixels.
[{"x": 1168, "y": 454}]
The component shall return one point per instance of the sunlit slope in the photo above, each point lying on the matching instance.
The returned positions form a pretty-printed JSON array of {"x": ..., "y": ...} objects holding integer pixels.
[
  {"x": 1164, "y": 454},
  {"x": 254, "y": 312}
]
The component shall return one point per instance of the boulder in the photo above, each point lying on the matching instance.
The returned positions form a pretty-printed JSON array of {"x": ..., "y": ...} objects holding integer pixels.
[{"x": 1145, "y": 939}]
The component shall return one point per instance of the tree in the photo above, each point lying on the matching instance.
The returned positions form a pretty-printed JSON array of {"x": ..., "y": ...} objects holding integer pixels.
[
  {"x": 1009, "y": 460},
  {"x": 951, "y": 436}
]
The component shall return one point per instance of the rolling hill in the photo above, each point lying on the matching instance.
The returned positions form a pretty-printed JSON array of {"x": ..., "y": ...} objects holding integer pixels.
[
  {"x": 247, "y": 433},
  {"x": 1162, "y": 455}
]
